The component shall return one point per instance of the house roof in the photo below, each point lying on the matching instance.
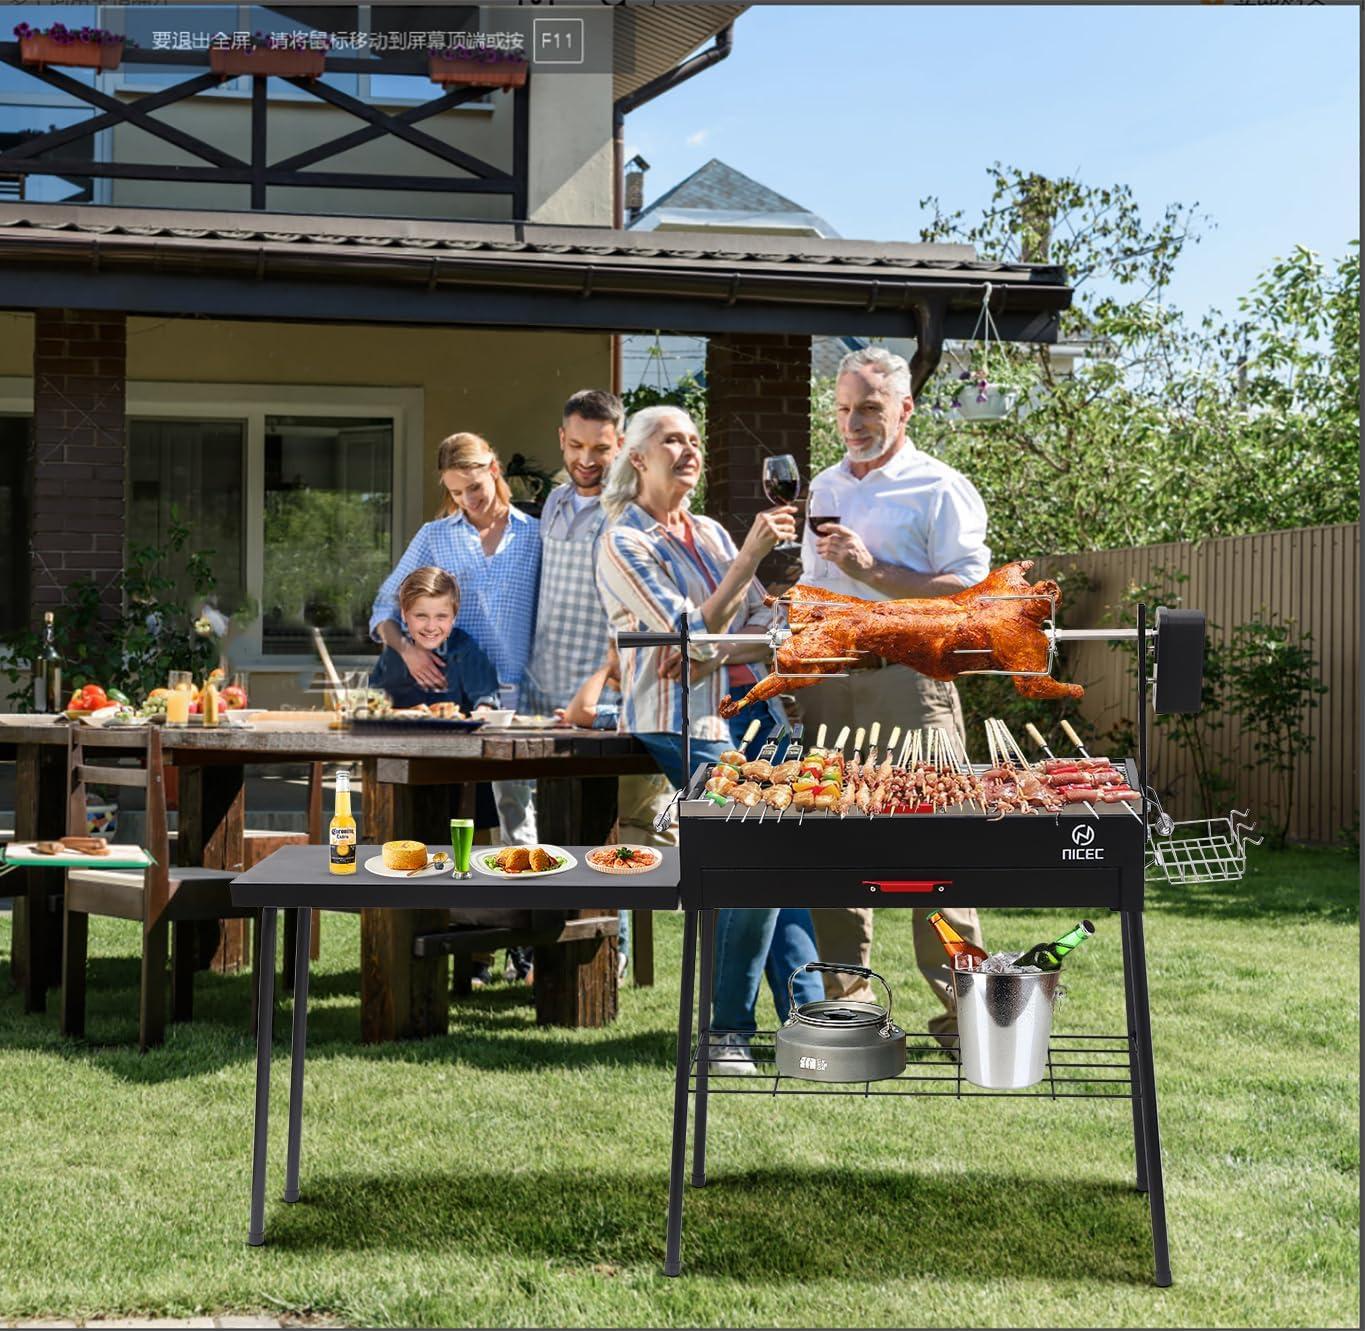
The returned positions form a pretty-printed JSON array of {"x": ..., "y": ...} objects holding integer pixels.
[
  {"x": 717, "y": 195},
  {"x": 648, "y": 40},
  {"x": 375, "y": 270}
]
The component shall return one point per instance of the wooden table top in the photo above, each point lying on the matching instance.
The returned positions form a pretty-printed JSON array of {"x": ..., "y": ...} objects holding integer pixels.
[{"x": 298, "y": 741}]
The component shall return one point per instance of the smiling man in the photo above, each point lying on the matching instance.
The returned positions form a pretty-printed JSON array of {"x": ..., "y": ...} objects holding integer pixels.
[
  {"x": 571, "y": 625},
  {"x": 900, "y": 523}
]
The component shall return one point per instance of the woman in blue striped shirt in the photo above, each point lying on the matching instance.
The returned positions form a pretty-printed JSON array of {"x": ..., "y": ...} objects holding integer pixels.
[
  {"x": 658, "y": 561},
  {"x": 492, "y": 549}
]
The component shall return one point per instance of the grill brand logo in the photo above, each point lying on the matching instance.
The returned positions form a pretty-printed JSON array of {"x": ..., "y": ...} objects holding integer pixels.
[
  {"x": 1082, "y": 836},
  {"x": 813, "y": 1064}
]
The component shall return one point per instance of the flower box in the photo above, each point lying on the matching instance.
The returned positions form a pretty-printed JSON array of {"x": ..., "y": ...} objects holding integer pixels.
[
  {"x": 279, "y": 62},
  {"x": 41, "y": 49},
  {"x": 477, "y": 70}
]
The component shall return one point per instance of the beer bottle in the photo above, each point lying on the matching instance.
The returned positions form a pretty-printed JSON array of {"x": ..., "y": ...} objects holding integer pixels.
[
  {"x": 1048, "y": 956},
  {"x": 341, "y": 833},
  {"x": 47, "y": 671},
  {"x": 953, "y": 942}
]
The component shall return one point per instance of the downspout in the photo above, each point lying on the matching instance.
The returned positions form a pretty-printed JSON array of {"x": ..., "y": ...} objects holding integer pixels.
[{"x": 622, "y": 107}]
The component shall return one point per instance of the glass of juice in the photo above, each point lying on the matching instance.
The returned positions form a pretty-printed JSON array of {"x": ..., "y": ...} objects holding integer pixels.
[
  {"x": 461, "y": 844},
  {"x": 181, "y": 683}
]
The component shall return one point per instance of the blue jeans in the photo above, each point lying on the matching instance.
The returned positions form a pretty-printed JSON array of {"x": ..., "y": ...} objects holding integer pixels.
[{"x": 749, "y": 943}]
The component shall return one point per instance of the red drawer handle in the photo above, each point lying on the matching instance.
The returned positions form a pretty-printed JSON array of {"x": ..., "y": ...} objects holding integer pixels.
[{"x": 907, "y": 884}]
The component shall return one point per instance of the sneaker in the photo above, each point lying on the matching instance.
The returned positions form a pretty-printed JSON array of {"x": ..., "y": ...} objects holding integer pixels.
[
  {"x": 729, "y": 1055},
  {"x": 622, "y": 963},
  {"x": 520, "y": 966}
]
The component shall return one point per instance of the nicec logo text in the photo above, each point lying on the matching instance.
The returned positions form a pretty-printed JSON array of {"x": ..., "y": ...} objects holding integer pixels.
[{"x": 1083, "y": 835}]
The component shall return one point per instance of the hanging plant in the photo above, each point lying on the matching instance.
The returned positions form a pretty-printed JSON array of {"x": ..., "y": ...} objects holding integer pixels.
[
  {"x": 978, "y": 398},
  {"x": 484, "y": 67},
  {"x": 83, "y": 48}
]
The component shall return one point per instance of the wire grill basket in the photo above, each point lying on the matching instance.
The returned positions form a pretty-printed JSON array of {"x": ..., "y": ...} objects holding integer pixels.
[{"x": 1203, "y": 850}]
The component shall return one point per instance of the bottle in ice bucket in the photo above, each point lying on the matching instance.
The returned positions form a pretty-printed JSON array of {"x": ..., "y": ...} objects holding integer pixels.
[
  {"x": 341, "y": 833},
  {"x": 964, "y": 955},
  {"x": 1048, "y": 956}
]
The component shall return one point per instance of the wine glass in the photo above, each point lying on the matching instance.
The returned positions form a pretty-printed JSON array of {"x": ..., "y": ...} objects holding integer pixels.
[{"x": 782, "y": 485}]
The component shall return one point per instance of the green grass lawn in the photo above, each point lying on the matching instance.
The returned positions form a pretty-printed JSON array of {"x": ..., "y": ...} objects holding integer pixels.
[{"x": 509, "y": 1175}]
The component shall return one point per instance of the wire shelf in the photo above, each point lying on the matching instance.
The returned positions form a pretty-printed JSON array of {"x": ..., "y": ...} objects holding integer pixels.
[
  {"x": 1079, "y": 1067},
  {"x": 1204, "y": 850}
]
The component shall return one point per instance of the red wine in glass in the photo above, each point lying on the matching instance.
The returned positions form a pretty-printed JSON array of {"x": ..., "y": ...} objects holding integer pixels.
[{"x": 782, "y": 485}]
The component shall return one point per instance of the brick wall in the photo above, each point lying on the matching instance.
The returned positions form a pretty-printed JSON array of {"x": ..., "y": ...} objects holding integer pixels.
[
  {"x": 758, "y": 405},
  {"x": 76, "y": 527}
]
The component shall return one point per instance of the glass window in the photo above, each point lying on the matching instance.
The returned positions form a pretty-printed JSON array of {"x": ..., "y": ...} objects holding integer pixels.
[
  {"x": 191, "y": 471},
  {"x": 14, "y": 586},
  {"x": 328, "y": 523}
]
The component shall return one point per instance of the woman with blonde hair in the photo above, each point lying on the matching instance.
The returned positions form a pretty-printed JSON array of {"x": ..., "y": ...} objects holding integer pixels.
[{"x": 492, "y": 549}]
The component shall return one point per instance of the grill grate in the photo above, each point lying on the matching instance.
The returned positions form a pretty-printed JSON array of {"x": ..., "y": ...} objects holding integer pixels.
[{"x": 1079, "y": 1067}]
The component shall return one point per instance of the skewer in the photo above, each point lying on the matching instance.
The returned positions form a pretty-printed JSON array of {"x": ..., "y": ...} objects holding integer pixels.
[
  {"x": 841, "y": 740},
  {"x": 1080, "y": 748},
  {"x": 1033, "y": 733},
  {"x": 820, "y": 736}
]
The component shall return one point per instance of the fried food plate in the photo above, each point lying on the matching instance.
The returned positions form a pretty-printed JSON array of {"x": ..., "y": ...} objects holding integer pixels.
[
  {"x": 481, "y": 861},
  {"x": 605, "y": 859}
]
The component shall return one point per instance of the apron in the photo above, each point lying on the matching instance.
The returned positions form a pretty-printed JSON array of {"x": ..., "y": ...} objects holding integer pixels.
[{"x": 571, "y": 625}]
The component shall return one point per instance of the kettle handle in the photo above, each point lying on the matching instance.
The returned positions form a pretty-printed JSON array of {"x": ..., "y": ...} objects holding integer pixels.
[{"x": 837, "y": 969}]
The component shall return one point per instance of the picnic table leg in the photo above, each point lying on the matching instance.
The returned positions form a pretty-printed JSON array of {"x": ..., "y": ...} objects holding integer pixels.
[
  {"x": 708, "y": 963},
  {"x": 211, "y": 834},
  {"x": 265, "y": 1030},
  {"x": 1136, "y": 974},
  {"x": 678, "y": 1160},
  {"x": 40, "y": 811},
  {"x": 303, "y": 928},
  {"x": 402, "y": 997}
]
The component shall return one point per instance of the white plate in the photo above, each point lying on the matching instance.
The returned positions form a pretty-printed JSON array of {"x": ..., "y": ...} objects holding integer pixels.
[
  {"x": 375, "y": 864},
  {"x": 482, "y": 853}
]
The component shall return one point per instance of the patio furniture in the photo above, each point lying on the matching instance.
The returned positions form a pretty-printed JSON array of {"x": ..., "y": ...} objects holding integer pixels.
[
  {"x": 402, "y": 995},
  {"x": 296, "y": 879},
  {"x": 167, "y": 902}
]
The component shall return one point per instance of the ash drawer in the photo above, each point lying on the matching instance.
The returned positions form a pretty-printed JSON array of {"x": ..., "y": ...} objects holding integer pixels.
[{"x": 1089, "y": 889}]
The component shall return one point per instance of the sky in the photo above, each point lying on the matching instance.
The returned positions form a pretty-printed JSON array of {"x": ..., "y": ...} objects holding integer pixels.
[{"x": 857, "y": 112}]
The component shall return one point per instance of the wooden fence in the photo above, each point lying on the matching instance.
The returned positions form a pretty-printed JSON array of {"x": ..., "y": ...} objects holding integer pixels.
[{"x": 1310, "y": 575}]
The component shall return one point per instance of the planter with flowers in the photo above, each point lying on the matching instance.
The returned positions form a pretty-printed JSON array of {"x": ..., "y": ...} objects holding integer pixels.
[
  {"x": 273, "y": 56},
  {"x": 85, "y": 48},
  {"x": 482, "y": 67}
]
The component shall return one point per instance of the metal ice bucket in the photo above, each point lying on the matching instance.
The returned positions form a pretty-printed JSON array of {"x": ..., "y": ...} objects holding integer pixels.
[{"x": 1004, "y": 1023}]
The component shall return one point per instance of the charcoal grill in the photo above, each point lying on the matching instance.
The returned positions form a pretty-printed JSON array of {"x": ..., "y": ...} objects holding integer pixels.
[{"x": 1083, "y": 859}]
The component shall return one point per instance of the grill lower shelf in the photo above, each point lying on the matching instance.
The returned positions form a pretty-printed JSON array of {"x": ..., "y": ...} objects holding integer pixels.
[{"x": 1080, "y": 1067}]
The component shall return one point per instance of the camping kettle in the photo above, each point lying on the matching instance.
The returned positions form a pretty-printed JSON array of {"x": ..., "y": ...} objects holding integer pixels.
[{"x": 838, "y": 1039}]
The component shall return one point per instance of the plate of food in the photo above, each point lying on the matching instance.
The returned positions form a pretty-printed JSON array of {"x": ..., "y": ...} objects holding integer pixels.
[
  {"x": 522, "y": 861},
  {"x": 624, "y": 859},
  {"x": 425, "y": 716},
  {"x": 409, "y": 859}
]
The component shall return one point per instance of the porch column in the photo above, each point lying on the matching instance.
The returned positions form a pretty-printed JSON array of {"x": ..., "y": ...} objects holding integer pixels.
[
  {"x": 79, "y": 457},
  {"x": 758, "y": 405}
]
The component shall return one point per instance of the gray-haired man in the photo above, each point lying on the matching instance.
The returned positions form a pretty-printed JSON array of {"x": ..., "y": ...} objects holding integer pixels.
[{"x": 904, "y": 524}]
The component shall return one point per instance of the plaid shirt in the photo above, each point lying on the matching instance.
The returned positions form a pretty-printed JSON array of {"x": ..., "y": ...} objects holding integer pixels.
[
  {"x": 497, "y": 592},
  {"x": 648, "y": 580},
  {"x": 572, "y": 634}
]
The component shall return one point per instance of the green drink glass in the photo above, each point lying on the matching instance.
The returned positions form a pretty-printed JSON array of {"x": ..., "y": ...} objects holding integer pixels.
[{"x": 461, "y": 844}]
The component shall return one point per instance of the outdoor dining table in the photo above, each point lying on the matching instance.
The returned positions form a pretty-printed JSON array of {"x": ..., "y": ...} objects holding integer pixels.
[
  {"x": 298, "y": 878},
  {"x": 406, "y": 779}
]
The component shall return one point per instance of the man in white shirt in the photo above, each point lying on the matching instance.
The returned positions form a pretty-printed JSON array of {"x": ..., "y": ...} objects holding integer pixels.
[{"x": 898, "y": 523}]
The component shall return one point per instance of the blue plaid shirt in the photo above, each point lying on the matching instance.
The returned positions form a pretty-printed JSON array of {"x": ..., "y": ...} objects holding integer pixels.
[{"x": 497, "y": 592}]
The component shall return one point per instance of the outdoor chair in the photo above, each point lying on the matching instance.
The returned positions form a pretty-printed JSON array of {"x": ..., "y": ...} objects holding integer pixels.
[{"x": 167, "y": 901}]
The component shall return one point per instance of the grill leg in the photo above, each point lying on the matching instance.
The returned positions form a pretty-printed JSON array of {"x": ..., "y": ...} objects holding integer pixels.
[
  {"x": 1130, "y": 1006},
  {"x": 302, "y": 939},
  {"x": 265, "y": 1030},
  {"x": 673, "y": 1249},
  {"x": 1156, "y": 1195},
  {"x": 708, "y": 966}
]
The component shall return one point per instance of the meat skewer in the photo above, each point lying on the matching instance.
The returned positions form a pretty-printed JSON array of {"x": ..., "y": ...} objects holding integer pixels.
[
  {"x": 1033, "y": 733},
  {"x": 1080, "y": 748}
]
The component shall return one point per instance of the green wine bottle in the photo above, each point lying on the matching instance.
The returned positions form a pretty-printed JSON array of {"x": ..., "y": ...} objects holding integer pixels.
[{"x": 1048, "y": 956}]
